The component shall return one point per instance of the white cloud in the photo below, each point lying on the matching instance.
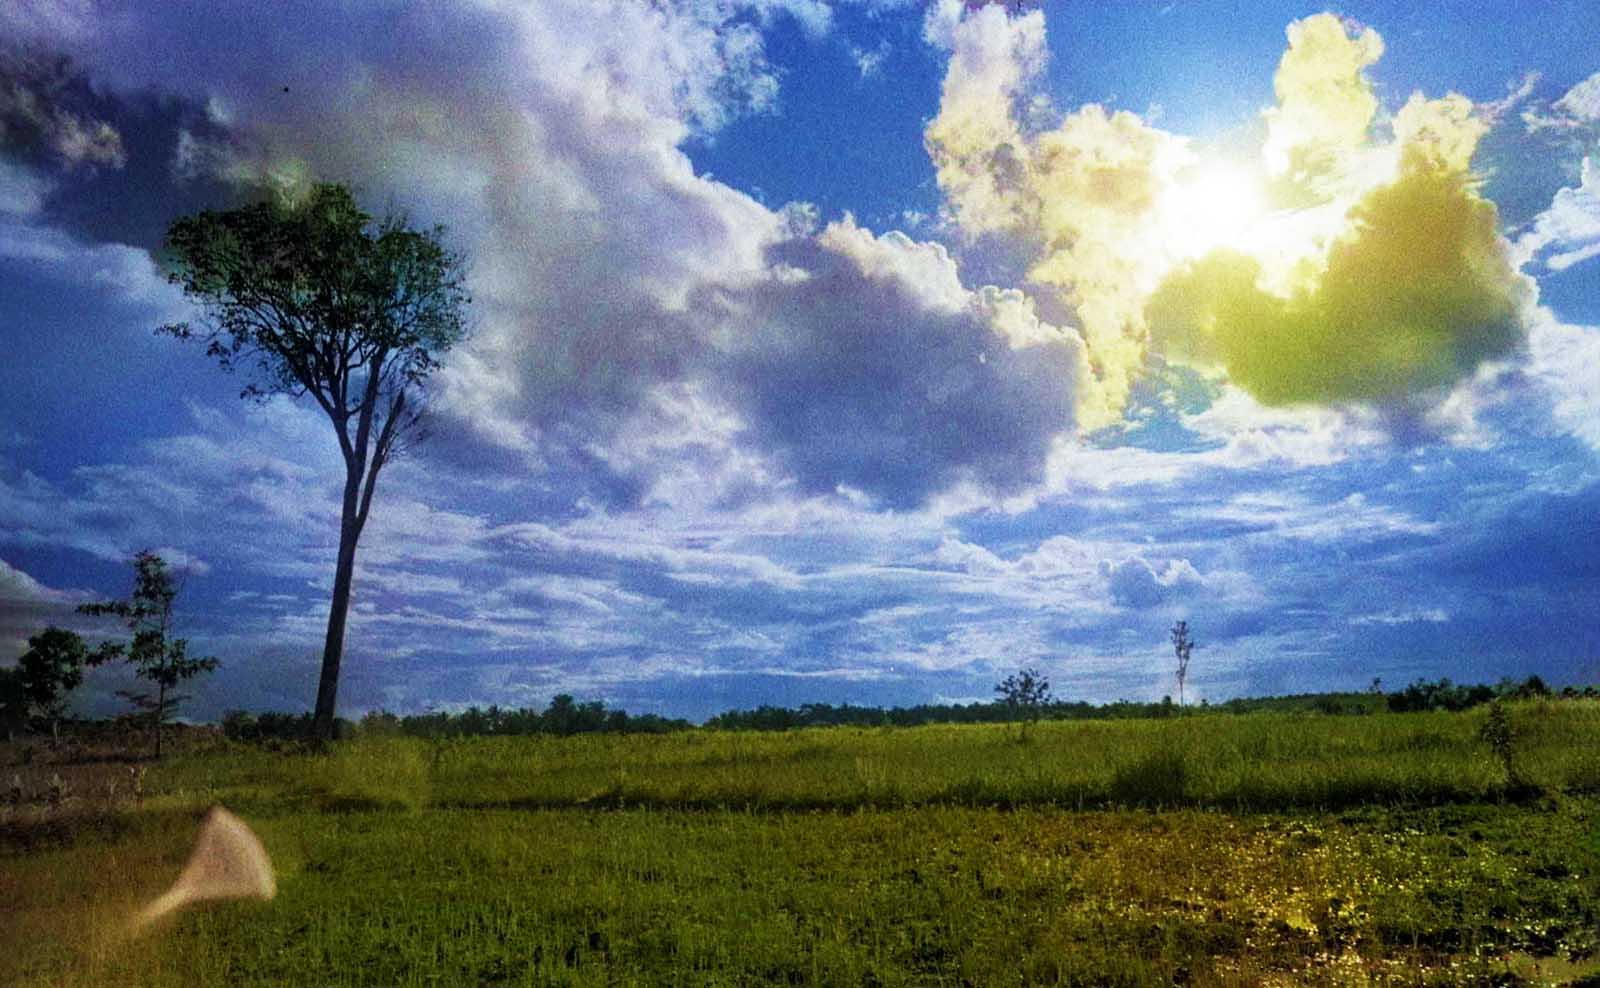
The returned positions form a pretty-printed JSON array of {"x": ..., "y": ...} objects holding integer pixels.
[
  {"x": 126, "y": 274},
  {"x": 870, "y": 62},
  {"x": 1428, "y": 615},
  {"x": 1299, "y": 436},
  {"x": 1568, "y": 232},
  {"x": 22, "y": 189},
  {"x": 1135, "y": 582},
  {"x": 28, "y": 606},
  {"x": 1565, "y": 361},
  {"x": 36, "y": 110},
  {"x": 1577, "y": 109}
]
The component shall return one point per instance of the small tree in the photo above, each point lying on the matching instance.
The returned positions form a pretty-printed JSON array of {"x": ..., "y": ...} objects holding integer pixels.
[
  {"x": 165, "y": 663},
  {"x": 49, "y": 671},
  {"x": 1025, "y": 693},
  {"x": 322, "y": 304},
  {"x": 1182, "y": 646}
]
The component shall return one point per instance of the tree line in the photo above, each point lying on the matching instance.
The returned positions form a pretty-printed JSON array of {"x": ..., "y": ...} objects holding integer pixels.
[
  {"x": 564, "y": 717},
  {"x": 1421, "y": 695}
]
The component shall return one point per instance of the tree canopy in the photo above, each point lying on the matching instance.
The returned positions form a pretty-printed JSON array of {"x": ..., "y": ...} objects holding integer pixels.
[{"x": 318, "y": 302}]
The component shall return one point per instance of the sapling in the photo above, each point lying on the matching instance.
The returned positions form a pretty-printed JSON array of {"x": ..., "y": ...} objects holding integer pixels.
[
  {"x": 1501, "y": 738},
  {"x": 155, "y": 657}
]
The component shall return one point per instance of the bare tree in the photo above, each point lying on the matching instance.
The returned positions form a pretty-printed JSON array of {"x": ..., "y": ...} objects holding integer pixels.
[{"x": 1182, "y": 646}]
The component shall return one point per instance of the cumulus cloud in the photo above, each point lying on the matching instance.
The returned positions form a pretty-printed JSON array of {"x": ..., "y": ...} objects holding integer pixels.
[
  {"x": 1135, "y": 582},
  {"x": 27, "y": 606},
  {"x": 1416, "y": 297},
  {"x": 1371, "y": 271},
  {"x": 863, "y": 362},
  {"x": 1325, "y": 104},
  {"x": 1412, "y": 296},
  {"x": 1565, "y": 361},
  {"x": 1568, "y": 232},
  {"x": 612, "y": 285},
  {"x": 1082, "y": 194}
]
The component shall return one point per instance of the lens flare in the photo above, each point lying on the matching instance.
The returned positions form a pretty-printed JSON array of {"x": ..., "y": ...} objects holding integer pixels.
[{"x": 228, "y": 862}]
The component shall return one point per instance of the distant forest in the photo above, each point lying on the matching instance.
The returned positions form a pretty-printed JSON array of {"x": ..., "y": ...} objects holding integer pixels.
[{"x": 566, "y": 716}]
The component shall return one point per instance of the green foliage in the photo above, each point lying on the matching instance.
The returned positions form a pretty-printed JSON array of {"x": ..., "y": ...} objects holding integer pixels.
[
  {"x": 315, "y": 297},
  {"x": 13, "y": 702},
  {"x": 163, "y": 661},
  {"x": 1445, "y": 695},
  {"x": 1025, "y": 692},
  {"x": 1265, "y": 762},
  {"x": 1501, "y": 737},
  {"x": 1159, "y": 778},
  {"x": 564, "y": 717},
  {"x": 50, "y": 670}
]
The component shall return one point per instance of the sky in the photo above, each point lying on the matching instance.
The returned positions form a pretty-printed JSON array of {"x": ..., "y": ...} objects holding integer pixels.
[{"x": 859, "y": 351}]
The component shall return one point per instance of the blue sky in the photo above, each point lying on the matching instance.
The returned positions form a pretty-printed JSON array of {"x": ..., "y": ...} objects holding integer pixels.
[{"x": 859, "y": 351}]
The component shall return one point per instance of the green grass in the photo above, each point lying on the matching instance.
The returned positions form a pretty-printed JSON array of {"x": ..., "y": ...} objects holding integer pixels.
[
  {"x": 1264, "y": 849},
  {"x": 1254, "y": 762}
]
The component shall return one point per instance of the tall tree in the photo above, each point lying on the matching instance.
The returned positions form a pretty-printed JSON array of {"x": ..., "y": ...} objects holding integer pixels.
[
  {"x": 155, "y": 656},
  {"x": 319, "y": 300},
  {"x": 1182, "y": 647},
  {"x": 49, "y": 670}
]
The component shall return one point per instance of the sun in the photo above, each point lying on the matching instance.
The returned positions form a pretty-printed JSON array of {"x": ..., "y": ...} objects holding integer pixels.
[
  {"x": 1222, "y": 203},
  {"x": 1217, "y": 204}
]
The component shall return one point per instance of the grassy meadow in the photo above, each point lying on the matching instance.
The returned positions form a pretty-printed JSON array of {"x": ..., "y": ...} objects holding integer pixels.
[{"x": 1268, "y": 849}]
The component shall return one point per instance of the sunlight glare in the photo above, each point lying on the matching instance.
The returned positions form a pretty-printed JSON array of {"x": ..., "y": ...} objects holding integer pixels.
[{"x": 1217, "y": 204}]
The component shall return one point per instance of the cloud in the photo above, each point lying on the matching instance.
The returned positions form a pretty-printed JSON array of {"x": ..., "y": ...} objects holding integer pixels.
[
  {"x": 1431, "y": 615},
  {"x": 28, "y": 606},
  {"x": 42, "y": 116},
  {"x": 863, "y": 362},
  {"x": 1372, "y": 272},
  {"x": 869, "y": 62},
  {"x": 1325, "y": 104},
  {"x": 1082, "y": 193},
  {"x": 1415, "y": 298},
  {"x": 1565, "y": 360},
  {"x": 1415, "y": 293},
  {"x": 1568, "y": 232},
  {"x": 22, "y": 190},
  {"x": 1577, "y": 110},
  {"x": 1135, "y": 582}
]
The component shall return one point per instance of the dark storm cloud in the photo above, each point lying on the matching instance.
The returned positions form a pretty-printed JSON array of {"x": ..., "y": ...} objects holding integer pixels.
[
  {"x": 877, "y": 381},
  {"x": 110, "y": 159}
]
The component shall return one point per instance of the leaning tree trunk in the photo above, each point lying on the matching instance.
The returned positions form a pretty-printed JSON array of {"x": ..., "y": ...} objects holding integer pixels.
[{"x": 344, "y": 572}]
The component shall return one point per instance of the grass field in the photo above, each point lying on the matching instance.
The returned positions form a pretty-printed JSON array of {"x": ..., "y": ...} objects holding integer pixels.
[{"x": 1254, "y": 850}]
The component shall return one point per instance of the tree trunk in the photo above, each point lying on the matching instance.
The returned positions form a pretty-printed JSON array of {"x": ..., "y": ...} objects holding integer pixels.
[
  {"x": 344, "y": 573},
  {"x": 159, "y": 714}
]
